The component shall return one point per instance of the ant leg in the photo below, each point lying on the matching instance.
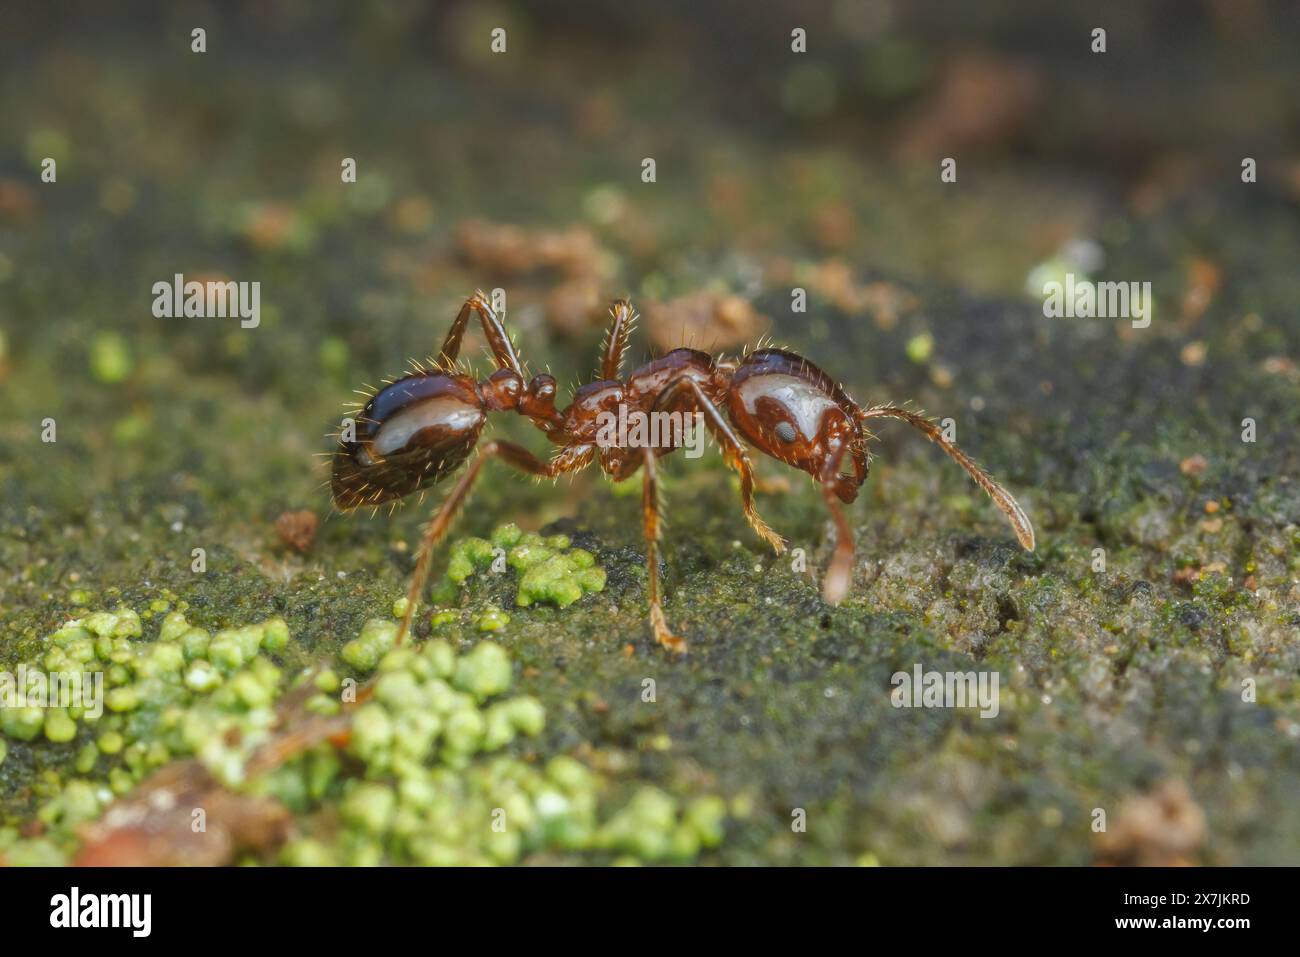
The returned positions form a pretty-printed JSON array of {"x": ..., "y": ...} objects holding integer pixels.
[
  {"x": 650, "y": 526},
  {"x": 622, "y": 318},
  {"x": 1001, "y": 497},
  {"x": 503, "y": 350},
  {"x": 516, "y": 455},
  {"x": 732, "y": 449},
  {"x": 839, "y": 573}
]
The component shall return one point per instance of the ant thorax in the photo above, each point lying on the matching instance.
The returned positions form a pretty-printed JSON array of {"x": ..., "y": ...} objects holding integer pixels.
[
  {"x": 589, "y": 403},
  {"x": 633, "y": 428}
]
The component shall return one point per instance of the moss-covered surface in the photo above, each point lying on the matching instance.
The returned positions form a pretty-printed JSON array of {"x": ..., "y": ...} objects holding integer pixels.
[
  {"x": 395, "y": 756},
  {"x": 181, "y": 434}
]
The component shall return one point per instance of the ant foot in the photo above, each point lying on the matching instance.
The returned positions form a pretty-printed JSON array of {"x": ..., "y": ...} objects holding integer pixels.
[
  {"x": 666, "y": 638},
  {"x": 767, "y": 533},
  {"x": 835, "y": 587},
  {"x": 674, "y": 643}
]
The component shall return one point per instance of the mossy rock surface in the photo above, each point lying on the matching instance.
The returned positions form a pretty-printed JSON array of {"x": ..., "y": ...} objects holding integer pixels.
[{"x": 1174, "y": 661}]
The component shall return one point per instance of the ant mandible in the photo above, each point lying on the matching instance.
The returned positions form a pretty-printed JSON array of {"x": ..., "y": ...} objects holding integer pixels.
[{"x": 418, "y": 429}]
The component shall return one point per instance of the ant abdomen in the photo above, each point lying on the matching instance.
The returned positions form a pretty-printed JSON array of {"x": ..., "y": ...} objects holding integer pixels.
[{"x": 411, "y": 433}]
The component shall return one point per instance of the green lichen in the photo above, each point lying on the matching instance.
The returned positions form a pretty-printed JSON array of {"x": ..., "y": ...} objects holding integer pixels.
[
  {"x": 549, "y": 570},
  {"x": 491, "y": 619},
  {"x": 364, "y": 652},
  {"x": 437, "y": 790},
  {"x": 484, "y": 672},
  {"x": 110, "y": 358},
  {"x": 431, "y": 780}
]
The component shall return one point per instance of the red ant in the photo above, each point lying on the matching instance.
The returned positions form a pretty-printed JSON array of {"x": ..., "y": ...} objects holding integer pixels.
[{"x": 420, "y": 428}]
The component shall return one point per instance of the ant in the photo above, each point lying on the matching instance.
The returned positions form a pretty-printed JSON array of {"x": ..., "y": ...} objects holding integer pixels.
[{"x": 420, "y": 428}]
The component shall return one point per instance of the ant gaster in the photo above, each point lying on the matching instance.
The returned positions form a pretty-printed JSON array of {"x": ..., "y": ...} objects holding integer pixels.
[{"x": 418, "y": 429}]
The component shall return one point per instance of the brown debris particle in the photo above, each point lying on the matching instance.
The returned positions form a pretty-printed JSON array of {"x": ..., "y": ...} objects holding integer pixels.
[
  {"x": 1193, "y": 354},
  {"x": 297, "y": 529},
  {"x": 772, "y": 484},
  {"x": 1203, "y": 281},
  {"x": 983, "y": 100},
  {"x": 568, "y": 269},
  {"x": 117, "y": 196},
  {"x": 412, "y": 214},
  {"x": 1163, "y": 828},
  {"x": 834, "y": 225},
  {"x": 17, "y": 200},
  {"x": 1193, "y": 573},
  {"x": 833, "y": 280},
  {"x": 153, "y": 826},
  {"x": 1281, "y": 365},
  {"x": 576, "y": 305},
  {"x": 269, "y": 225},
  {"x": 509, "y": 250},
  {"x": 942, "y": 376},
  {"x": 705, "y": 320}
]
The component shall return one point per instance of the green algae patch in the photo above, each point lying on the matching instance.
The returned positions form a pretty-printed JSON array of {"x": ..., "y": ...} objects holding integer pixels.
[
  {"x": 484, "y": 672},
  {"x": 437, "y": 788},
  {"x": 549, "y": 570},
  {"x": 126, "y": 707},
  {"x": 491, "y": 619},
  {"x": 364, "y": 651},
  {"x": 110, "y": 358},
  {"x": 430, "y": 772}
]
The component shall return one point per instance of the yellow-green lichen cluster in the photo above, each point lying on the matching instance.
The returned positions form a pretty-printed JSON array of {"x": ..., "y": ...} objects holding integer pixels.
[
  {"x": 142, "y": 704},
  {"x": 424, "y": 776},
  {"x": 436, "y": 788},
  {"x": 549, "y": 570},
  {"x": 158, "y": 698}
]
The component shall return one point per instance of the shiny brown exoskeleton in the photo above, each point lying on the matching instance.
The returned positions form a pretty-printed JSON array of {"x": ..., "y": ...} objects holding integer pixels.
[{"x": 420, "y": 428}]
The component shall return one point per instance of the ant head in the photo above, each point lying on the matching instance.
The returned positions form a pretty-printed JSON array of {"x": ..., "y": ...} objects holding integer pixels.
[
  {"x": 541, "y": 390},
  {"x": 789, "y": 408},
  {"x": 537, "y": 402},
  {"x": 504, "y": 391}
]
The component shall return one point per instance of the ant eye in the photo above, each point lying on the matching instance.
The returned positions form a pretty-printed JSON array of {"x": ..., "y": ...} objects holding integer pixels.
[{"x": 785, "y": 432}]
